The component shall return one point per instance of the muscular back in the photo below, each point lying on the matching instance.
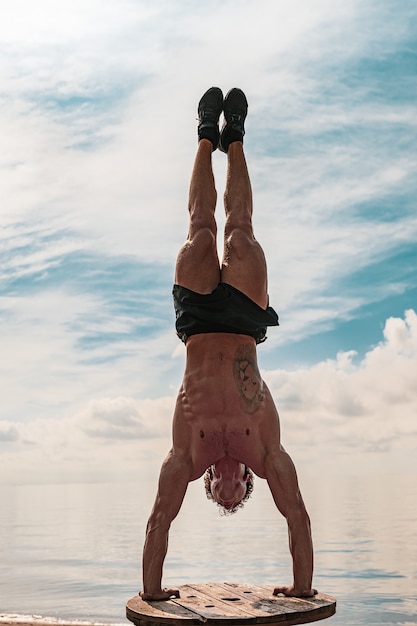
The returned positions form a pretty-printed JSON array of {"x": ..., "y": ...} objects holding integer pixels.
[{"x": 223, "y": 406}]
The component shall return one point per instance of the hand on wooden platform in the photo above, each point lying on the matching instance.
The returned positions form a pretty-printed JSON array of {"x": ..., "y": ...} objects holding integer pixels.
[
  {"x": 163, "y": 594},
  {"x": 292, "y": 592}
]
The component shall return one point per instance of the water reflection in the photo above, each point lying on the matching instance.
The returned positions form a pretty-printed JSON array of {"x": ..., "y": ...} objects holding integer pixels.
[{"x": 73, "y": 551}]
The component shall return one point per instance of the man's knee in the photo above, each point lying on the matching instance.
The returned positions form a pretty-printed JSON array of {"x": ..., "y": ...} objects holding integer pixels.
[
  {"x": 204, "y": 239},
  {"x": 200, "y": 246},
  {"x": 239, "y": 241}
]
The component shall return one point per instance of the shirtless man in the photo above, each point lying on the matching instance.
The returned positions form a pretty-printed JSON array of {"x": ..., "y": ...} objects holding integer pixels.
[{"x": 225, "y": 420}]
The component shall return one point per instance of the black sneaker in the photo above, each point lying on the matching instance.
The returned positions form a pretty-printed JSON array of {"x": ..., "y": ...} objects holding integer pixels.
[
  {"x": 209, "y": 109},
  {"x": 235, "y": 109}
]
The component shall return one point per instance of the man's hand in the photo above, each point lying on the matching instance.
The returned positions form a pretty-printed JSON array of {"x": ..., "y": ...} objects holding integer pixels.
[
  {"x": 292, "y": 592},
  {"x": 163, "y": 594}
]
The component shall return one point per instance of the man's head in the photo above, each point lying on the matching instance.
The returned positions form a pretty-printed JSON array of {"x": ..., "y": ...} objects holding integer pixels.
[{"x": 229, "y": 484}]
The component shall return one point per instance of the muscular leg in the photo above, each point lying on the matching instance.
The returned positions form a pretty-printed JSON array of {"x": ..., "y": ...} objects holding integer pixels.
[
  {"x": 243, "y": 264},
  {"x": 197, "y": 265}
]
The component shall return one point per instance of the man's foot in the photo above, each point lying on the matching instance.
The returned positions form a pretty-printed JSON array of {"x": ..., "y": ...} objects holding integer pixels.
[
  {"x": 235, "y": 109},
  {"x": 209, "y": 109}
]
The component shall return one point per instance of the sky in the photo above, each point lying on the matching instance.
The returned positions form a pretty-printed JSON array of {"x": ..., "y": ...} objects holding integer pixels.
[{"x": 98, "y": 108}]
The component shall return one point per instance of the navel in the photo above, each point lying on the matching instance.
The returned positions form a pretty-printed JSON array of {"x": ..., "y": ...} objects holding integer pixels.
[
  {"x": 202, "y": 434},
  {"x": 248, "y": 431}
]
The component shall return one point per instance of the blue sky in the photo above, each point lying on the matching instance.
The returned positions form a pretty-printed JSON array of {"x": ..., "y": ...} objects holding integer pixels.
[{"x": 98, "y": 125}]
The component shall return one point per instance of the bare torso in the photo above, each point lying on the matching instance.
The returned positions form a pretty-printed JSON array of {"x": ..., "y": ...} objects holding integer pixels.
[{"x": 223, "y": 406}]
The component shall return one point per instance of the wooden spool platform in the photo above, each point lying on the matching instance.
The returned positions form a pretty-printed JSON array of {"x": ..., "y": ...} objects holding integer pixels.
[{"x": 229, "y": 603}]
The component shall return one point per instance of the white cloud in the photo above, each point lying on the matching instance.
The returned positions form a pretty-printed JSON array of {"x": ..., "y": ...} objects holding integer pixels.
[
  {"x": 8, "y": 431},
  {"x": 49, "y": 367},
  {"x": 125, "y": 418},
  {"x": 110, "y": 438},
  {"x": 338, "y": 409}
]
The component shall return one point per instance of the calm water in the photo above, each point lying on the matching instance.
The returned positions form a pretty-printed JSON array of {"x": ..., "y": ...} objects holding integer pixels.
[{"x": 73, "y": 551}]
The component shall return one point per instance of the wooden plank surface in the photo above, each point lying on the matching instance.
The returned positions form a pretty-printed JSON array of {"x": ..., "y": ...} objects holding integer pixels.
[{"x": 229, "y": 603}]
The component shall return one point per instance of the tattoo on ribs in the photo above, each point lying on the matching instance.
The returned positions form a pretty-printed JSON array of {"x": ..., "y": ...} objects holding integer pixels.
[{"x": 248, "y": 378}]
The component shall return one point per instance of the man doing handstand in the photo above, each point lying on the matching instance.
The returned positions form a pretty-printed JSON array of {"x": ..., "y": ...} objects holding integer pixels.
[{"x": 225, "y": 423}]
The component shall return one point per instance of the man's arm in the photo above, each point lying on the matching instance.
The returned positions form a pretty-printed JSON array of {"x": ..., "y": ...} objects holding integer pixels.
[
  {"x": 283, "y": 483},
  {"x": 173, "y": 481}
]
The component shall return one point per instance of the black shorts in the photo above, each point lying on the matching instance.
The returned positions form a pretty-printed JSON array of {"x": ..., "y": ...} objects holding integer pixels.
[{"x": 224, "y": 310}]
